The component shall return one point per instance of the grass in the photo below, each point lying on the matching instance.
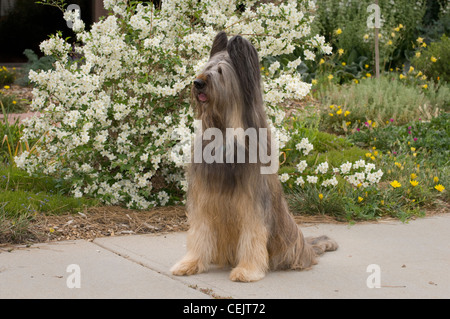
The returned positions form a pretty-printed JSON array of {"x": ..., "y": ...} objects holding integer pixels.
[{"x": 24, "y": 197}]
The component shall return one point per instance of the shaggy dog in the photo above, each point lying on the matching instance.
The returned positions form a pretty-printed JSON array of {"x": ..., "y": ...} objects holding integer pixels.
[{"x": 238, "y": 216}]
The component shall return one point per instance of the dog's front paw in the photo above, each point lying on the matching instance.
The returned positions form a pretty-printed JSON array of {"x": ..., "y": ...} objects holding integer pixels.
[
  {"x": 246, "y": 274},
  {"x": 187, "y": 267}
]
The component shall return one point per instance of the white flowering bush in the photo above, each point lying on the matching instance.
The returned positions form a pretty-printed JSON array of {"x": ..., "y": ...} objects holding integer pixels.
[
  {"x": 115, "y": 122},
  {"x": 359, "y": 174}
]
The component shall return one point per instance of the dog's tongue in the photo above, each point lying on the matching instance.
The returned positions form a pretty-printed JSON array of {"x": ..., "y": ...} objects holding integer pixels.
[{"x": 202, "y": 97}]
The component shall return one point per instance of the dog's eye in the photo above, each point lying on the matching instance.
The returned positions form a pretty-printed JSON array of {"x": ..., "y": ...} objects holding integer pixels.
[{"x": 219, "y": 70}]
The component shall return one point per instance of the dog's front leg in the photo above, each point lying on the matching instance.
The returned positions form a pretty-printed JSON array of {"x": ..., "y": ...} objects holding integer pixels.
[
  {"x": 200, "y": 245},
  {"x": 253, "y": 257}
]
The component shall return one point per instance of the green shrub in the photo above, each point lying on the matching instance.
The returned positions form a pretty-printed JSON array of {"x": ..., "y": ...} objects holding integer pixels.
[
  {"x": 7, "y": 76},
  {"x": 35, "y": 63},
  {"x": 433, "y": 60},
  {"x": 356, "y": 39},
  {"x": 424, "y": 140},
  {"x": 373, "y": 102}
]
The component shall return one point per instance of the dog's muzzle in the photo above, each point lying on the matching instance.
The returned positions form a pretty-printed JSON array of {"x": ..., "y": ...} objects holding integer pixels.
[{"x": 199, "y": 85}]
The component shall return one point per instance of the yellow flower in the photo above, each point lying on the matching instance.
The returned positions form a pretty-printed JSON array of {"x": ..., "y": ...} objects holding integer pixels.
[
  {"x": 356, "y": 81},
  {"x": 417, "y": 54},
  {"x": 368, "y": 75},
  {"x": 330, "y": 77},
  {"x": 322, "y": 61},
  {"x": 424, "y": 45},
  {"x": 397, "y": 29},
  {"x": 400, "y": 26},
  {"x": 395, "y": 184},
  {"x": 332, "y": 106},
  {"x": 346, "y": 113},
  {"x": 414, "y": 183},
  {"x": 14, "y": 102},
  {"x": 339, "y": 112},
  {"x": 425, "y": 86},
  {"x": 360, "y": 199},
  {"x": 372, "y": 158},
  {"x": 51, "y": 230},
  {"x": 411, "y": 69},
  {"x": 366, "y": 66},
  {"x": 320, "y": 196},
  {"x": 344, "y": 64},
  {"x": 439, "y": 187},
  {"x": 368, "y": 154},
  {"x": 436, "y": 179},
  {"x": 6, "y": 87},
  {"x": 382, "y": 202},
  {"x": 366, "y": 36},
  {"x": 389, "y": 42},
  {"x": 413, "y": 176},
  {"x": 330, "y": 114},
  {"x": 341, "y": 51},
  {"x": 314, "y": 82},
  {"x": 419, "y": 40},
  {"x": 401, "y": 76},
  {"x": 338, "y": 31},
  {"x": 433, "y": 59},
  {"x": 348, "y": 123},
  {"x": 413, "y": 149}
]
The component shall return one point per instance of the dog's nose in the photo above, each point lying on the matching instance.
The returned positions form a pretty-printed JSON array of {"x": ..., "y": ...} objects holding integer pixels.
[{"x": 199, "y": 84}]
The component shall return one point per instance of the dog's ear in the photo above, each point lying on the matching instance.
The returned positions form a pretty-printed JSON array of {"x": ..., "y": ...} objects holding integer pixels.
[
  {"x": 245, "y": 61},
  {"x": 219, "y": 44}
]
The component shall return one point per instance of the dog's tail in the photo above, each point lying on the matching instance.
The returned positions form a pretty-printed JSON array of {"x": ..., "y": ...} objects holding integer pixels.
[{"x": 322, "y": 244}]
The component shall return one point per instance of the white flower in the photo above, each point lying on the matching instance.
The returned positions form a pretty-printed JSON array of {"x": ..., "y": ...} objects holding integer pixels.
[
  {"x": 274, "y": 67},
  {"x": 322, "y": 168},
  {"x": 284, "y": 177},
  {"x": 77, "y": 193},
  {"x": 346, "y": 167},
  {"x": 330, "y": 182},
  {"x": 305, "y": 146},
  {"x": 163, "y": 198},
  {"x": 309, "y": 55},
  {"x": 144, "y": 157},
  {"x": 301, "y": 166},
  {"x": 311, "y": 179},
  {"x": 358, "y": 164},
  {"x": 299, "y": 181}
]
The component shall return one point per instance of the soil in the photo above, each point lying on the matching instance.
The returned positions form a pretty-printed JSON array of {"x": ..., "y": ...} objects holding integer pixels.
[{"x": 108, "y": 221}]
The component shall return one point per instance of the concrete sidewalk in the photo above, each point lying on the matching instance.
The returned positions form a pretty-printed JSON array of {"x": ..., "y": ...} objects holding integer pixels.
[{"x": 413, "y": 261}]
